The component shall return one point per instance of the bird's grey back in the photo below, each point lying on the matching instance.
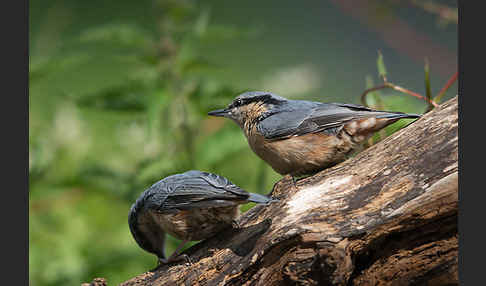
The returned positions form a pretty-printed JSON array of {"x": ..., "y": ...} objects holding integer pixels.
[
  {"x": 192, "y": 189},
  {"x": 188, "y": 190},
  {"x": 299, "y": 117}
]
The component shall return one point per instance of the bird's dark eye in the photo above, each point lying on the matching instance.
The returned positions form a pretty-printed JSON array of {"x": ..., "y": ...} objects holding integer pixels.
[{"x": 237, "y": 103}]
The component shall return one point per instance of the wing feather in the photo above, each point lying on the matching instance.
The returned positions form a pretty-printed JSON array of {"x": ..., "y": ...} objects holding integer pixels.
[
  {"x": 196, "y": 189},
  {"x": 305, "y": 117}
]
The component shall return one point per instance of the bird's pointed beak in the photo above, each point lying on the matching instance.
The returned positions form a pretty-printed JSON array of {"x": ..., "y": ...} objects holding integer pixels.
[{"x": 220, "y": 113}]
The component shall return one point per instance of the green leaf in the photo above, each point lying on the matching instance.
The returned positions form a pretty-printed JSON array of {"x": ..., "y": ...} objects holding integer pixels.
[
  {"x": 202, "y": 22},
  {"x": 129, "y": 96},
  {"x": 120, "y": 34},
  {"x": 428, "y": 92},
  {"x": 381, "y": 66}
]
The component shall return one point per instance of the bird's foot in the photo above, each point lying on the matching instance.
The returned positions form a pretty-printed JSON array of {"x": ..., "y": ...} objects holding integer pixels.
[
  {"x": 296, "y": 178},
  {"x": 294, "y": 181},
  {"x": 235, "y": 224},
  {"x": 179, "y": 258}
]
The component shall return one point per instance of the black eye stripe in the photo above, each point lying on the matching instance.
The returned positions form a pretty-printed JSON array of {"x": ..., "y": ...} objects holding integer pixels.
[
  {"x": 236, "y": 103},
  {"x": 266, "y": 98}
]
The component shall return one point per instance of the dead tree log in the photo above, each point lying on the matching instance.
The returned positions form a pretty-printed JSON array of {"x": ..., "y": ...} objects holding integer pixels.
[{"x": 388, "y": 216}]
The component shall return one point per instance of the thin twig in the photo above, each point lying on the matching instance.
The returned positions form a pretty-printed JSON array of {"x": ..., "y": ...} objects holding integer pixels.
[
  {"x": 363, "y": 95},
  {"x": 446, "y": 87},
  {"x": 409, "y": 92},
  {"x": 446, "y": 13},
  {"x": 395, "y": 87}
]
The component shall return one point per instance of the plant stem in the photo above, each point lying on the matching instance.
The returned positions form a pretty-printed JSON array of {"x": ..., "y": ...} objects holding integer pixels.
[
  {"x": 428, "y": 92},
  {"x": 446, "y": 87},
  {"x": 395, "y": 87}
]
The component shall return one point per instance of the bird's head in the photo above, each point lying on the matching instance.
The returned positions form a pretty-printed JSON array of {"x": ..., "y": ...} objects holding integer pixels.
[{"x": 250, "y": 107}]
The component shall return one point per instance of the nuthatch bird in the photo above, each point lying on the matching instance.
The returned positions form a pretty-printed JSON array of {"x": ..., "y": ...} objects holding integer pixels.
[
  {"x": 299, "y": 137},
  {"x": 193, "y": 205}
]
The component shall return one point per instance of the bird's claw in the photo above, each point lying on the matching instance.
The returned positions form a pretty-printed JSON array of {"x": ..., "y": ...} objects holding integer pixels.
[
  {"x": 179, "y": 258},
  {"x": 235, "y": 224}
]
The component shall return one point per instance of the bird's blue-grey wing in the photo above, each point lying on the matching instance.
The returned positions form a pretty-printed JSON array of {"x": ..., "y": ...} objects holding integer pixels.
[
  {"x": 196, "y": 189},
  {"x": 311, "y": 117},
  {"x": 153, "y": 197}
]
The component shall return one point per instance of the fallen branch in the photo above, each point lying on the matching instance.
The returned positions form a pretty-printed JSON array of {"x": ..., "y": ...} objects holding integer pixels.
[{"x": 386, "y": 216}]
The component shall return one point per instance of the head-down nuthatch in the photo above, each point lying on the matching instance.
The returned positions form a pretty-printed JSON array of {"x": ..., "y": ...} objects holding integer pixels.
[
  {"x": 299, "y": 137},
  {"x": 193, "y": 205}
]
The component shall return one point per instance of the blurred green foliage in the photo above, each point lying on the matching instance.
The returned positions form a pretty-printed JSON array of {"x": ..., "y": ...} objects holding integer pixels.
[
  {"x": 95, "y": 145},
  {"x": 114, "y": 108}
]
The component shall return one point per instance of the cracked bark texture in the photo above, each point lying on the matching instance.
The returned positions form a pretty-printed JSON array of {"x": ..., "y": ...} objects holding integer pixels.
[{"x": 387, "y": 216}]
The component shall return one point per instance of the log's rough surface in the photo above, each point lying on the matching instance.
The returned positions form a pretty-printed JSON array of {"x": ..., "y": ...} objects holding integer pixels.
[{"x": 387, "y": 216}]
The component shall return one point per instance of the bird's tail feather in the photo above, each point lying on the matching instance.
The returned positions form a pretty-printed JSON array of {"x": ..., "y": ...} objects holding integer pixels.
[
  {"x": 259, "y": 199},
  {"x": 399, "y": 115}
]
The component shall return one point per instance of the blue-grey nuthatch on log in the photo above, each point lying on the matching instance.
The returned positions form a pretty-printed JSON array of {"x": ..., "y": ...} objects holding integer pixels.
[
  {"x": 299, "y": 137},
  {"x": 190, "y": 206}
]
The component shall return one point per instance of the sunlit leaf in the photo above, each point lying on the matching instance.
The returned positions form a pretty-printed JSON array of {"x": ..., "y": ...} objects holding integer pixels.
[{"x": 380, "y": 63}]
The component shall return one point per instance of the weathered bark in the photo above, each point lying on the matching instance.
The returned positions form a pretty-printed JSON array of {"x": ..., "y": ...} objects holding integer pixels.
[
  {"x": 386, "y": 216},
  {"x": 96, "y": 282}
]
